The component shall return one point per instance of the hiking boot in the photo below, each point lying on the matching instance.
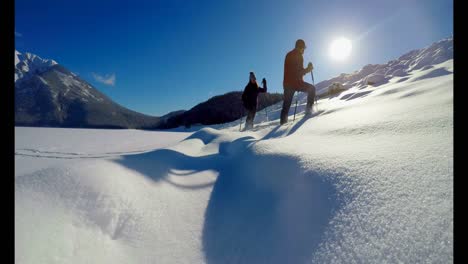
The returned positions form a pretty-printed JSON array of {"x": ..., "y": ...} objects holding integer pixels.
[
  {"x": 283, "y": 121},
  {"x": 308, "y": 111}
]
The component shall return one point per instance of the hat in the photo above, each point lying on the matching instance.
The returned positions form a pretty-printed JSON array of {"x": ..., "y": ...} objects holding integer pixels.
[
  {"x": 252, "y": 76},
  {"x": 300, "y": 44}
]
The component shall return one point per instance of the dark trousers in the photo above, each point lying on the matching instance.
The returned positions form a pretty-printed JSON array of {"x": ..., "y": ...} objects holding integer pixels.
[
  {"x": 289, "y": 94},
  {"x": 250, "y": 117}
]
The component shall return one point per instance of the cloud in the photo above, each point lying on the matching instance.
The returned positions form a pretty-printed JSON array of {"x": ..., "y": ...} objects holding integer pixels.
[
  {"x": 17, "y": 34},
  {"x": 108, "y": 79}
]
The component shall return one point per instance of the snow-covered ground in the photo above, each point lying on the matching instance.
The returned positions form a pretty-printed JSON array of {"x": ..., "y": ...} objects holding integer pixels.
[{"x": 367, "y": 179}]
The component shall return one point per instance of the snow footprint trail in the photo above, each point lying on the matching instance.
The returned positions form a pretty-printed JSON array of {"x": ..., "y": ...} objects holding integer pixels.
[
  {"x": 71, "y": 155},
  {"x": 263, "y": 208}
]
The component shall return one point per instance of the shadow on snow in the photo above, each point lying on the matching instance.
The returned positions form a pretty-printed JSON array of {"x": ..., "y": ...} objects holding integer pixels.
[{"x": 262, "y": 208}]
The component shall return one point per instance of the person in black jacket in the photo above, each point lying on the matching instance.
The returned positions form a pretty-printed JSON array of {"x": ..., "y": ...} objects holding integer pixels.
[{"x": 249, "y": 98}]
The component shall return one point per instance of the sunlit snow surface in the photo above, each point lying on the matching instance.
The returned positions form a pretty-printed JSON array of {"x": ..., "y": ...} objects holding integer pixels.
[{"x": 367, "y": 179}]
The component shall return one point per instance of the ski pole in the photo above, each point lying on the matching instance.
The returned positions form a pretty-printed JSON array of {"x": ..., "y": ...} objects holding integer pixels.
[
  {"x": 240, "y": 120},
  {"x": 313, "y": 83},
  {"x": 294, "y": 118}
]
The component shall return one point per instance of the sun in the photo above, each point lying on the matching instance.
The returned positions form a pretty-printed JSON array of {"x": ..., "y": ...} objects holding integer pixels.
[{"x": 340, "y": 49}]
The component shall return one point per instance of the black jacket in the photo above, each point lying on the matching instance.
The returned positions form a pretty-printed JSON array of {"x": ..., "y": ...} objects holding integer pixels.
[{"x": 250, "y": 94}]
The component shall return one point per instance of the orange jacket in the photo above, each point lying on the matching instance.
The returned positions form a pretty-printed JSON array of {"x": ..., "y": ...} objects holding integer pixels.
[{"x": 293, "y": 70}]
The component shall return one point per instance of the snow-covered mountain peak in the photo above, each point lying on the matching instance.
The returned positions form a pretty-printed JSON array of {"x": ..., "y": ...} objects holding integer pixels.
[
  {"x": 32, "y": 59},
  {"x": 403, "y": 67},
  {"x": 26, "y": 63},
  {"x": 17, "y": 60}
]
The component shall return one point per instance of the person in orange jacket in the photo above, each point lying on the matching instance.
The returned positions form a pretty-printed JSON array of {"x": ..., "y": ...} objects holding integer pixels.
[{"x": 292, "y": 81}]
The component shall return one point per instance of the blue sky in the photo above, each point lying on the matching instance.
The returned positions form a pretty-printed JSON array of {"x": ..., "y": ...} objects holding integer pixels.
[{"x": 164, "y": 55}]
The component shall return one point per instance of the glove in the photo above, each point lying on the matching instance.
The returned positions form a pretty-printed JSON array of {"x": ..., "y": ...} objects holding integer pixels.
[
  {"x": 264, "y": 81},
  {"x": 310, "y": 67}
]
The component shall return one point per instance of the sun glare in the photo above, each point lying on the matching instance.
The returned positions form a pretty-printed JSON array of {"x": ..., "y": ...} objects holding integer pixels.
[{"x": 340, "y": 48}]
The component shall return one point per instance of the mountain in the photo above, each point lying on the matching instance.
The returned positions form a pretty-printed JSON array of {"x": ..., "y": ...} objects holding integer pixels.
[
  {"x": 379, "y": 74},
  {"x": 218, "y": 109},
  {"x": 47, "y": 94}
]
